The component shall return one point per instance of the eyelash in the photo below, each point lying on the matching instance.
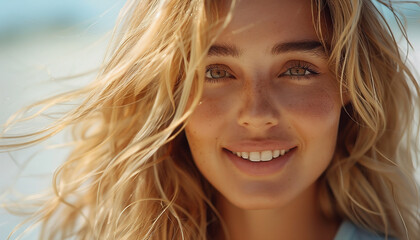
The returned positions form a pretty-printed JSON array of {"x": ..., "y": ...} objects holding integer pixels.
[{"x": 301, "y": 65}]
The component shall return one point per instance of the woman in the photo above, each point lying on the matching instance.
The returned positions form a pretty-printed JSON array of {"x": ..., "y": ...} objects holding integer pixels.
[{"x": 242, "y": 120}]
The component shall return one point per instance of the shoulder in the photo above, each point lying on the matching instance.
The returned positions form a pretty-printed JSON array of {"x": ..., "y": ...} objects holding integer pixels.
[{"x": 349, "y": 231}]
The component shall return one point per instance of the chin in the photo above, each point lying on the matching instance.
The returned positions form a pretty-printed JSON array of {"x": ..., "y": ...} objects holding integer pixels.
[{"x": 259, "y": 203}]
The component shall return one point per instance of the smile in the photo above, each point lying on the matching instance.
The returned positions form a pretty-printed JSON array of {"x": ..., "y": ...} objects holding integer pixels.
[{"x": 261, "y": 156}]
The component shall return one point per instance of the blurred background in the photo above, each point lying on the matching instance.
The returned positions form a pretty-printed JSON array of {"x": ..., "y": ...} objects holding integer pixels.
[{"x": 42, "y": 41}]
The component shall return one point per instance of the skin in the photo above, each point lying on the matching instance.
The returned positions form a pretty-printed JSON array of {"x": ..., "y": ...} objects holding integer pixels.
[{"x": 259, "y": 101}]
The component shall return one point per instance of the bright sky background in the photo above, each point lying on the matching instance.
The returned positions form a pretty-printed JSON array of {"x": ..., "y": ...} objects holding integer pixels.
[{"x": 19, "y": 17}]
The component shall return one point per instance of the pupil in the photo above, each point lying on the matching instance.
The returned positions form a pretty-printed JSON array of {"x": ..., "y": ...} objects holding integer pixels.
[
  {"x": 216, "y": 73},
  {"x": 298, "y": 71}
]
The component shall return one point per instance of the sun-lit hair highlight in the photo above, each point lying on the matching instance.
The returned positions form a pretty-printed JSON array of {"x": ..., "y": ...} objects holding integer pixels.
[{"x": 371, "y": 178}]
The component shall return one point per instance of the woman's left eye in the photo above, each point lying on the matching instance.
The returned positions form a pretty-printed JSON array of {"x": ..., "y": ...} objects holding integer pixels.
[{"x": 299, "y": 69}]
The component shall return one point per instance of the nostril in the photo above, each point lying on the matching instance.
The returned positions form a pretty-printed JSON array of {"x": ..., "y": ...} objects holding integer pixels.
[
  {"x": 257, "y": 115},
  {"x": 258, "y": 122}
]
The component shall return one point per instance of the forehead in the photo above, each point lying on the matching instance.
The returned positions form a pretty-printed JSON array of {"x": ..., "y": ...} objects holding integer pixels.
[{"x": 276, "y": 20}]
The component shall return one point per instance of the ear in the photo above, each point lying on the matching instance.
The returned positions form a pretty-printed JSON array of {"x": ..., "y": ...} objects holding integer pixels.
[{"x": 346, "y": 98}]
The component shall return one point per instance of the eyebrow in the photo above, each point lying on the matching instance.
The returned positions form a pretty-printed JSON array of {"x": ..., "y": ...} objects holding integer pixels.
[
  {"x": 314, "y": 47},
  {"x": 301, "y": 46},
  {"x": 224, "y": 50}
]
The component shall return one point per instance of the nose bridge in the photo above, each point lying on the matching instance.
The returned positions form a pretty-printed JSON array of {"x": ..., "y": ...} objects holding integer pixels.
[
  {"x": 258, "y": 110},
  {"x": 257, "y": 95}
]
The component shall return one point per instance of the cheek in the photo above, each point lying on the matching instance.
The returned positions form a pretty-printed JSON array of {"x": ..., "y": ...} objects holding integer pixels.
[
  {"x": 314, "y": 112},
  {"x": 311, "y": 104},
  {"x": 205, "y": 125},
  {"x": 211, "y": 115}
]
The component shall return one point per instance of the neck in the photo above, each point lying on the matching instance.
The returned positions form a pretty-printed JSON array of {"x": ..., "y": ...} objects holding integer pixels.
[{"x": 300, "y": 219}]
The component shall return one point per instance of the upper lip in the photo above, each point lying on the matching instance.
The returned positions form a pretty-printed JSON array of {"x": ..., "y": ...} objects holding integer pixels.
[{"x": 259, "y": 146}]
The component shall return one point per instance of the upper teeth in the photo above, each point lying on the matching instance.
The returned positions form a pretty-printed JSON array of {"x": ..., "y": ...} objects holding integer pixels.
[{"x": 261, "y": 156}]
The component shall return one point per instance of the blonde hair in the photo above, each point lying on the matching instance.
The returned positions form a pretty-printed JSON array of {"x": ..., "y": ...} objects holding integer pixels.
[{"x": 131, "y": 175}]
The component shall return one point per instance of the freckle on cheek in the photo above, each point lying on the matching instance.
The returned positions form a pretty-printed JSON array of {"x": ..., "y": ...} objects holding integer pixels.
[
  {"x": 317, "y": 105},
  {"x": 211, "y": 109},
  {"x": 202, "y": 119},
  {"x": 321, "y": 107}
]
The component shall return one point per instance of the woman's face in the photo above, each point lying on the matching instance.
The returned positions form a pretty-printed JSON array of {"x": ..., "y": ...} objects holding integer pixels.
[{"x": 266, "y": 127}]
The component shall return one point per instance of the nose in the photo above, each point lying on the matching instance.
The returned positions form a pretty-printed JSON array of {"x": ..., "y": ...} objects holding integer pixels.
[{"x": 257, "y": 110}]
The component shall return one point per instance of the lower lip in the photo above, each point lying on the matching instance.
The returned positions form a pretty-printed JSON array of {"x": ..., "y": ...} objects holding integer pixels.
[{"x": 261, "y": 168}]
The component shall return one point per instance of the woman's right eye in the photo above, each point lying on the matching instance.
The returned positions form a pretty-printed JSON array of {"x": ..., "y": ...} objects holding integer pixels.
[{"x": 216, "y": 73}]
